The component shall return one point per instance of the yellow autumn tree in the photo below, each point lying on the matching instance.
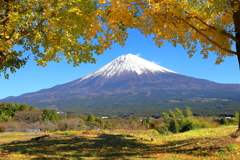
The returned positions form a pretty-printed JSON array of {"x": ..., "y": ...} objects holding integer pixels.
[
  {"x": 50, "y": 30},
  {"x": 213, "y": 25}
]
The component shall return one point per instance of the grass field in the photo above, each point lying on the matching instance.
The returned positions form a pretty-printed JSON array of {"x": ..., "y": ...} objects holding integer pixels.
[{"x": 199, "y": 144}]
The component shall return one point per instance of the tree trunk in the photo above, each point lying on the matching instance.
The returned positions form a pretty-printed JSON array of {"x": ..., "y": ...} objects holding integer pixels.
[
  {"x": 236, "y": 19},
  {"x": 3, "y": 56},
  {"x": 239, "y": 122}
]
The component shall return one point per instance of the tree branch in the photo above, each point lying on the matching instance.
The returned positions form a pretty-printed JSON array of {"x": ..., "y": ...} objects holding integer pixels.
[
  {"x": 29, "y": 21},
  {"x": 1, "y": 3},
  {"x": 24, "y": 10},
  {"x": 29, "y": 33},
  {"x": 3, "y": 56},
  {"x": 4, "y": 19},
  {"x": 214, "y": 28},
  {"x": 205, "y": 36}
]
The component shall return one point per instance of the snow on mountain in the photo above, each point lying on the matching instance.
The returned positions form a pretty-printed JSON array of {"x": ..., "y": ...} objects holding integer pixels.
[{"x": 129, "y": 63}]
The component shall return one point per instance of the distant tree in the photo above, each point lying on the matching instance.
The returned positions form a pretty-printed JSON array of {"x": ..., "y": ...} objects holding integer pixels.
[
  {"x": 236, "y": 115},
  {"x": 2, "y": 107},
  {"x": 82, "y": 117},
  {"x": 165, "y": 116},
  {"x": 48, "y": 126},
  {"x": 157, "y": 124},
  {"x": 99, "y": 121},
  {"x": 5, "y": 115},
  {"x": 10, "y": 125},
  {"x": 180, "y": 123},
  {"x": 5, "y": 118},
  {"x": 23, "y": 107},
  {"x": 28, "y": 116},
  {"x": 32, "y": 108},
  {"x": 71, "y": 124},
  {"x": 224, "y": 121},
  {"x": 188, "y": 112},
  {"x": 109, "y": 124},
  {"x": 179, "y": 113},
  {"x": 172, "y": 113},
  {"x": 17, "y": 106},
  {"x": 91, "y": 118},
  {"x": 146, "y": 122},
  {"x": 50, "y": 115},
  {"x": 133, "y": 124},
  {"x": 71, "y": 115},
  {"x": 2, "y": 129},
  {"x": 174, "y": 126},
  {"x": 10, "y": 109}
]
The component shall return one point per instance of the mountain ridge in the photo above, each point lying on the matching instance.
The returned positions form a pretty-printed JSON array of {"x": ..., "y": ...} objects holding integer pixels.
[{"x": 126, "y": 75}]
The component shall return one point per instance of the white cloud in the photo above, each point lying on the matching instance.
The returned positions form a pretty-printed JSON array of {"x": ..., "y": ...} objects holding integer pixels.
[{"x": 138, "y": 54}]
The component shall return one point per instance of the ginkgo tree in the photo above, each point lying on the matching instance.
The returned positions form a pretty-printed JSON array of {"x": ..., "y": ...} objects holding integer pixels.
[
  {"x": 50, "y": 30},
  {"x": 212, "y": 25}
]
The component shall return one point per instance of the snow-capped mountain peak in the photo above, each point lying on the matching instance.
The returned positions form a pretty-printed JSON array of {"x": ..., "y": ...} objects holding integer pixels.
[
  {"x": 127, "y": 63},
  {"x": 129, "y": 77}
]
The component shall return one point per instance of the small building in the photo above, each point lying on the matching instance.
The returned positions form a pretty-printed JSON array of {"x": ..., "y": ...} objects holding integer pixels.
[
  {"x": 104, "y": 117},
  {"x": 33, "y": 131}
]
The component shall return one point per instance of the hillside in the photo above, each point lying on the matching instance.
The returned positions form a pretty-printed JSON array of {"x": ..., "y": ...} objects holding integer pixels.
[{"x": 134, "y": 85}]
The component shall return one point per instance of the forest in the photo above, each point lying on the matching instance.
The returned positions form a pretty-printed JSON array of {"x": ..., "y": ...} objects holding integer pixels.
[{"x": 221, "y": 104}]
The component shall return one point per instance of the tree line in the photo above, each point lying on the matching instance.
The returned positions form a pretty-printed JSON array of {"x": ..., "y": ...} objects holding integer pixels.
[{"x": 19, "y": 117}]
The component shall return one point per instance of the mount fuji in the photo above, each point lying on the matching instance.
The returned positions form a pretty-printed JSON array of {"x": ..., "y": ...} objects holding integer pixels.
[{"x": 126, "y": 77}]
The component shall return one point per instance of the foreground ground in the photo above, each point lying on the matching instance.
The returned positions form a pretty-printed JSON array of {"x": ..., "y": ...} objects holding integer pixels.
[{"x": 122, "y": 144}]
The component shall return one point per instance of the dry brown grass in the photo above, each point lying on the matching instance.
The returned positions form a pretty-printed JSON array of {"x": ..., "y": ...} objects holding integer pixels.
[{"x": 123, "y": 144}]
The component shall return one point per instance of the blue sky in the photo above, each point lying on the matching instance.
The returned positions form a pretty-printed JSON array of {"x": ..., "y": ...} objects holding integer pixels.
[{"x": 32, "y": 78}]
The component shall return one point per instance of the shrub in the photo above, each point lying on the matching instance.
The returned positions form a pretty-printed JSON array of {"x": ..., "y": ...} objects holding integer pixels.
[
  {"x": 207, "y": 123},
  {"x": 157, "y": 123},
  {"x": 163, "y": 130},
  {"x": 224, "y": 121},
  {"x": 176, "y": 121},
  {"x": 233, "y": 121},
  {"x": 2, "y": 129},
  {"x": 71, "y": 124},
  {"x": 195, "y": 123},
  {"x": 188, "y": 124},
  {"x": 174, "y": 126},
  {"x": 28, "y": 116}
]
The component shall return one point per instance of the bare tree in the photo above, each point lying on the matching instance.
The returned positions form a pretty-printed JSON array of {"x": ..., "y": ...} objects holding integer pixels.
[{"x": 28, "y": 116}]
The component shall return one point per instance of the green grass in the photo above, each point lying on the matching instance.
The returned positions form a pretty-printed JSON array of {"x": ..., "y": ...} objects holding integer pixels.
[
  {"x": 13, "y": 136},
  {"x": 124, "y": 144}
]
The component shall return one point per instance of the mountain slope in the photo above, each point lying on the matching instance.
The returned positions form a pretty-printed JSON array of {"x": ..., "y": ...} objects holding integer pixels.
[{"x": 128, "y": 74}]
